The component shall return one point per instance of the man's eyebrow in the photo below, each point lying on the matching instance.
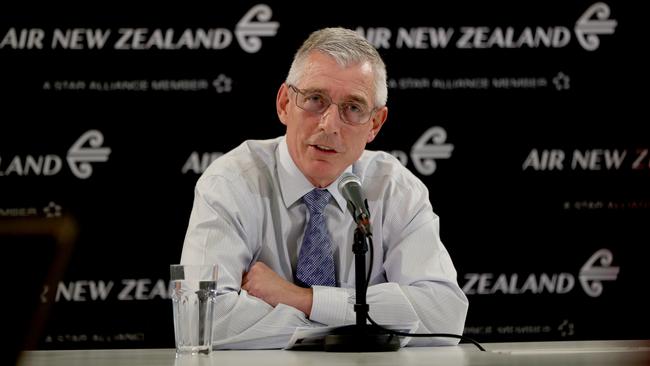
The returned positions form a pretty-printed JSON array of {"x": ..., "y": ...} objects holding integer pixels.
[
  {"x": 355, "y": 98},
  {"x": 315, "y": 90}
]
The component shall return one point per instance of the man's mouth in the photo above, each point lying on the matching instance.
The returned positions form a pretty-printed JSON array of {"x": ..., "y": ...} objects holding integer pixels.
[{"x": 324, "y": 148}]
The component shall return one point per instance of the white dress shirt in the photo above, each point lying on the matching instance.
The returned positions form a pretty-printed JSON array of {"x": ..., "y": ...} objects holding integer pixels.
[{"x": 248, "y": 208}]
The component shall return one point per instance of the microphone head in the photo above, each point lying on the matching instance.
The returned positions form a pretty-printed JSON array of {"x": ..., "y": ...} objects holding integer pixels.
[
  {"x": 350, "y": 188},
  {"x": 348, "y": 178}
]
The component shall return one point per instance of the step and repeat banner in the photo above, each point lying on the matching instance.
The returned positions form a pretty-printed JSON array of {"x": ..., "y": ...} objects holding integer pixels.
[{"x": 527, "y": 122}]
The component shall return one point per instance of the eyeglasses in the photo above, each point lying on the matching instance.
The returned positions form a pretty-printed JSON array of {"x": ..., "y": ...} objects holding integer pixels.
[{"x": 351, "y": 112}]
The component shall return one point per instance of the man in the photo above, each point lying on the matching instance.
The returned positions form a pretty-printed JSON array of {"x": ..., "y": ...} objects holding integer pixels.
[{"x": 250, "y": 216}]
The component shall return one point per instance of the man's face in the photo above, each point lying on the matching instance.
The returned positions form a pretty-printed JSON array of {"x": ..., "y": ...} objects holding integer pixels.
[{"x": 322, "y": 145}]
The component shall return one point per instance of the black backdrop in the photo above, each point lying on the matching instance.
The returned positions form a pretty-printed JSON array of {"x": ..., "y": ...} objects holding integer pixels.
[{"x": 527, "y": 121}]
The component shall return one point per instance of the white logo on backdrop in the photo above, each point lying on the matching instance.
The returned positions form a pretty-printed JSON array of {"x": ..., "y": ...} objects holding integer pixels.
[
  {"x": 590, "y": 277},
  {"x": 128, "y": 289},
  {"x": 248, "y": 31},
  {"x": 561, "y": 81},
  {"x": 430, "y": 146},
  {"x": 588, "y": 29},
  {"x": 18, "y": 211},
  {"x": 566, "y": 328},
  {"x": 197, "y": 162},
  {"x": 597, "y": 274},
  {"x": 49, "y": 211},
  {"x": 80, "y": 157},
  {"x": 253, "y": 25},
  {"x": 222, "y": 84},
  {"x": 52, "y": 210},
  {"x": 591, "y": 24}
]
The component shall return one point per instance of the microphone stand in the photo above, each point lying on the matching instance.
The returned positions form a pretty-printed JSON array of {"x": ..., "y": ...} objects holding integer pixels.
[{"x": 360, "y": 337}]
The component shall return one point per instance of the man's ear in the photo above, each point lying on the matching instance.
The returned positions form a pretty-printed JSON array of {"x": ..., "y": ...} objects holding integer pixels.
[
  {"x": 282, "y": 103},
  {"x": 377, "y": 121}
]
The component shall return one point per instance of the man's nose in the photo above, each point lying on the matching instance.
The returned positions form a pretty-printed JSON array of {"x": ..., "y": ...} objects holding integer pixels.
[{"x": 330, "y": 120}]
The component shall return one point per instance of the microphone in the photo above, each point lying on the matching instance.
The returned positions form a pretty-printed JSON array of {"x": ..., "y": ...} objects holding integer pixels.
[
  {"x": 350, "y": 188},
  {"x": 361, "y": 336}
]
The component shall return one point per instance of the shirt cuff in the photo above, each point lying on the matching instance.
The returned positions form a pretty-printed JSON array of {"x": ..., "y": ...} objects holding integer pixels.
[{"x": 329, "y": 305}]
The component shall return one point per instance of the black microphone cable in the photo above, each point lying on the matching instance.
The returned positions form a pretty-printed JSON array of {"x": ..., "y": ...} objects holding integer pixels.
[{"x": 404, "y": 334}]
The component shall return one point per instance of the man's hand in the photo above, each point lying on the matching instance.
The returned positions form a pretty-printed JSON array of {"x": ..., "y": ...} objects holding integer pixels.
[{"x": 265, "y": 284}]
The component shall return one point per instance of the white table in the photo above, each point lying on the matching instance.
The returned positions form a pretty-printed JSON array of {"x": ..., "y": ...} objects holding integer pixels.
[{"x": 591, "y": 353}]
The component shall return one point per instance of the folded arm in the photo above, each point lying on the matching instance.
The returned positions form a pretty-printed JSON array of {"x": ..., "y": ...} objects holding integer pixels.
[
  {"x": 217, "y": 235},
  {"x": 261, "y": 282}
]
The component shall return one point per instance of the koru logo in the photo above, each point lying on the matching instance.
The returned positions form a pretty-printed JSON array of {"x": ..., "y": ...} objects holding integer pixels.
[
  {"x": 591, "y": 275},
  {"x": 429, "y": 147},
  {"x": 80, "y": 157},
  {"x": 249, "y": 31},
  {"x": 588, "y": 29}
]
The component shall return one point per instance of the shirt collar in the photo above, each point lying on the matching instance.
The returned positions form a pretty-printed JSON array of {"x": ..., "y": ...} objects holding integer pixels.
[{"x": 294, "y": 184}]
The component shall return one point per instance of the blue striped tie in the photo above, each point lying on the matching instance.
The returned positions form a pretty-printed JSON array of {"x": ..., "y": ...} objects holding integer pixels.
[{"x": 316, "y": 259}]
